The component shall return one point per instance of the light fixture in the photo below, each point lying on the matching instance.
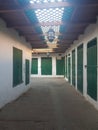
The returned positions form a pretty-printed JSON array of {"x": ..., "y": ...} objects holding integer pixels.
[
  {"x": 50, "y": 15},
  {"x": 51, "y": 35}
]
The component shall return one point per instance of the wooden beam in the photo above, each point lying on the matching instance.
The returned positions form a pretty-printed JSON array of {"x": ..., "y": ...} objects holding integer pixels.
[
  {"x": 49, "y": 24},
  {"x": 63, "y": 44},
  {"x": 66, "y": 41},
  {"x": 35, "y": 41},
  {"x": 44, "y": 50},
  {"x": 48, "y": 5},
  {"x": 34, "y": 37},
  {"x": 59, "y": 41},
  {"x": 56, "y": 23},
  {"x": 59, "y": 50},
  {"x": 39, "y": 46},
  {"x": 35, "y": 47},
  {"x": 36, "y": 25},
  {"x": 57, "y": 34},
  {"x": 28, "y": 33},
  {"x": 37, "y": 6},
  {"x": 39, "y": 35}
]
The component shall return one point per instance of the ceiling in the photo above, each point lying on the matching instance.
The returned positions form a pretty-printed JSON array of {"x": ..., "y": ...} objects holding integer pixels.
[{"x": 33, "y": 18}]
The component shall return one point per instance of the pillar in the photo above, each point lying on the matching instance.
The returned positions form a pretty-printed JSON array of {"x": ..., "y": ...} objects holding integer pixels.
[
  {"x": 53, "y": 66},
  {"x": 39, "y": 66},
  {"x": 84, "y": 69},
  {"x": 76, "y": 67}
]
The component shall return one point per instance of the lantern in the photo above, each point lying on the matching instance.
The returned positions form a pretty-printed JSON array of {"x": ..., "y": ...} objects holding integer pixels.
[{"x": 51, "y": 35}]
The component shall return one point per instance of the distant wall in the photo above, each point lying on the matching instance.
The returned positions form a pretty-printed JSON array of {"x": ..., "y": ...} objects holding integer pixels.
[{"x": 53, "y": 57}]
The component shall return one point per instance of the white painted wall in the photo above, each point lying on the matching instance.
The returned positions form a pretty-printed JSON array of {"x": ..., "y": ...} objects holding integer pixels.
[
  {"x": 53, "y": 66},
  {"x": 9, "y": 38},
  {"x": 76, "y": 67},
  {"x": 90, "y": 33}
]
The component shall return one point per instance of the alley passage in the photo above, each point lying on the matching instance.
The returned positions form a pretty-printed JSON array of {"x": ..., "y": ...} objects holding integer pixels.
[{"x": 51, "y": 104}]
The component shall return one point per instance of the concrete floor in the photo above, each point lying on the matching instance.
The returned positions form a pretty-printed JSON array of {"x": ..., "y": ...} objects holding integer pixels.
[{"x": 51, "y": 104}]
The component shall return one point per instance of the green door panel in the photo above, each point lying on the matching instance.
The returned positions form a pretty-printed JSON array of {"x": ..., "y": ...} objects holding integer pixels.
[
  {"x": 34, "y": 67},
  {"x": 80, "y": 68},
  {"x": 92, "y": 69},
  {"x": 66, "y": 67},
  {"x": 17, "y": 66},
  {"x": 46, "y": 66},
  {"x": 73, "y": 67},
  {"x": 27, "y": 73},
  {"x": 60, "y": 66},
  {"x": 69, "y": 69}
]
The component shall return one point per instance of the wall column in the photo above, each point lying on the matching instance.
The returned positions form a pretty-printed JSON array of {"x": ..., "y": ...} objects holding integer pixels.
[
  {"x": 76, "y": 67},
  {"x": 39, "y": 66},
  {"x": 67, "y": 66},
  {"x": 54, "y": 66},
  {"x": 71, "y": 67},
  {"x": 97, "y": 71},
  {"x": 84, "y": 69}
]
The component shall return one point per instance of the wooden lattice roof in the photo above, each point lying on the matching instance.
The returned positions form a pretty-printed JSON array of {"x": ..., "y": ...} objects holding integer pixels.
[{"x": 76, "y": 16}]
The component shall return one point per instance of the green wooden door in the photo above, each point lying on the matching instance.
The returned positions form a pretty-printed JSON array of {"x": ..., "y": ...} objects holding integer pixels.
[
  {"x": 66, "y": 67},
  {"x": 27, "y": 73},
  {"x": 34, "y": 67},
  {"x": 46, "y": 66},
  {"x": 17, "y": 66},
  {"x": 69, "y": 69},
  {"x": 92, "y": 69},
  {"x": 60, "y": 66},
  {"x": 73, "y": 67},
  {"x": 80, "y": 68}
]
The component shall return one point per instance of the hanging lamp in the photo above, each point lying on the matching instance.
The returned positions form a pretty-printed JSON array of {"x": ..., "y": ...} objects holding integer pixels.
[{"x": 51, "y": 35}]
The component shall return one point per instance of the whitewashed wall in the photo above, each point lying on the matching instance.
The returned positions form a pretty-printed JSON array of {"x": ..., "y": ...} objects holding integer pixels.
[
  {"x": 9, "y": 38},
  {"x": 90, "y": 33}
]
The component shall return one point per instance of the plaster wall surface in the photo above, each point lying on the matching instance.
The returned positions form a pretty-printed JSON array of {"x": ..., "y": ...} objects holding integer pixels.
[
  {"x": 9, "y": 38},
  {"x": 90, "y": 33}
]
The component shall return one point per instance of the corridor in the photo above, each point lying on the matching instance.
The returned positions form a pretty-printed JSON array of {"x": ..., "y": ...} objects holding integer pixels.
[{"x": 50, "y": 104}]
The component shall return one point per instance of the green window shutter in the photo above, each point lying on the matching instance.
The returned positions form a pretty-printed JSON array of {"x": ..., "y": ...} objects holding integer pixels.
[
  {"x": 66, "y": 68},
  {"x": 27, "y": 73},
  {"x": 73, "y": 67},
  {"x": 17, "y": 66},
  {"x": 63, "y": 60},
  {"x": 60, "y": 66},
  {"x": 69, "y": 69},
  {"x": 80, "y": 68},
  {"x": 46, "y": 66},
  {"x": 92, "y": 69},
  {"x": 34, "y": 67}
]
